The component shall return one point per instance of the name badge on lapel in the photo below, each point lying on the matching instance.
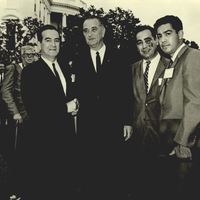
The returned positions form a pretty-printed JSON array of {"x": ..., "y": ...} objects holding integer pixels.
[
  {"x": 73, "y": 77},
  {"x": 168, "y": 73},
  {"x": 160, "y": 81}
]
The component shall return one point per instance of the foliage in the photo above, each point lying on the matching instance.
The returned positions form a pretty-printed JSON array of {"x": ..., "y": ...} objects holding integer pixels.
[
  {"x": 191, "y": 44},
  {"x": 15, "y": 34}
]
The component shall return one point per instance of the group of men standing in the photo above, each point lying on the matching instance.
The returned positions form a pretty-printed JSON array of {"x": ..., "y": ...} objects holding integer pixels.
[{"x": 79, "y": 123}]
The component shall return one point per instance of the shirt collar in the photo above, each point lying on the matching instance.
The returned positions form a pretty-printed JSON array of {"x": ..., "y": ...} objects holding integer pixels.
[
  {"x": 101, "y": 51},
  {"x": 176, "y": 52},
  {"x": 153, "y": 60},
  {"x": 48, "y": 62}
]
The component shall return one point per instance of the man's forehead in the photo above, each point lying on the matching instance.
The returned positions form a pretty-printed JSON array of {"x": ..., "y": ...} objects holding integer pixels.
[
  {"x": 50, "y": 33},
  {"x": 91, "y": 23},
  {"x": 144, "y": 34},
  {"x": 165, "y": 27}
]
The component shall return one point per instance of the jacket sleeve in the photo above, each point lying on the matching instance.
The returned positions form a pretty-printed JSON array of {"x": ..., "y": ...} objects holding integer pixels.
[
  {"x": 7, "y": 89},
  {"x": 191, "y": 98}
]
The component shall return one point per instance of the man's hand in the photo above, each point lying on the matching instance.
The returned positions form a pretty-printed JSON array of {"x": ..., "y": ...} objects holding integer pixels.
[
  {"x": 73, "y": 106},
  {"x": 128, "y": 131},
  {"x": 18, "y": 118},
  {"x": 183, "y": 152}
]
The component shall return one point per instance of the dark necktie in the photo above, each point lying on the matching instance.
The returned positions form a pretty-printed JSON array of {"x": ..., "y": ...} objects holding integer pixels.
[
  {"x": 98, "y": 61},
  {"x": 57, "y": 75},
  {"x": 146, "y": 73}
]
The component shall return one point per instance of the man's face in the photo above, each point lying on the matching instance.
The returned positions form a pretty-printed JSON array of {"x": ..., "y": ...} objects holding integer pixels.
[
  {"x": 50, "y": 45},
  {"x": 169, "y": 40},
  {"x": 93, "y": 32},
  {"x": 29, "y": 56},
  {"x": 146, "y": 44}
]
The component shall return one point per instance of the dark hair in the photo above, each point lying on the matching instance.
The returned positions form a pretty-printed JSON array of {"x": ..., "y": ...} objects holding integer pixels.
[
  {"x": 44, "y": 28},
  {"x": 145, "y": 27},
  {"x": 175, "y": 22}
]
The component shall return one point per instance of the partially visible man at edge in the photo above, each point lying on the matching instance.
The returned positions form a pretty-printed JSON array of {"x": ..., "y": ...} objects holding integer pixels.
[
  {"x": 17, "y": 114},
  {"x": 180, "y": 99}
]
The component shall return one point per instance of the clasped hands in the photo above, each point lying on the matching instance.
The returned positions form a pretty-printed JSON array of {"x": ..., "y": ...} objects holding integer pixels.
[{"x": 73, "y": 106}]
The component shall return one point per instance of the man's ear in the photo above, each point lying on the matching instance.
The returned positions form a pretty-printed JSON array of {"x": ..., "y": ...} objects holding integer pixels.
[
  {"x": 180, "y": 34},
  {"x": 103, "y": 31},
  {"x": 156, "y": 39}
]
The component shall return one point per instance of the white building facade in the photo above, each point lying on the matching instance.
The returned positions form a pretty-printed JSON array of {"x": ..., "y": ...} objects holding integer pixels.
[{"x": 48, "y": 11}]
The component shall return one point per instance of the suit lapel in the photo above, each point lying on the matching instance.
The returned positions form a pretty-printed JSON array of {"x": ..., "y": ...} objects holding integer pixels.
[
  {"x": 52, "y": 76},
  {"x": 139, "y": 80},
  {"x": 162, "y": 65},
  {"x": 164, "y": 81}
]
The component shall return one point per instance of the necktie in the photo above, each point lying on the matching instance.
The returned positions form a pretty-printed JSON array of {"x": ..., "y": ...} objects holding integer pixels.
[
  {"x": 57, "y": 75},
  {"x": 98, "y": 61},
  {"x": 146, "y": 73}
]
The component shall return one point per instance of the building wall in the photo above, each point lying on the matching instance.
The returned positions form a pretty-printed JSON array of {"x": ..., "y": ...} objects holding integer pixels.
[{"x": 40, "y": 9}]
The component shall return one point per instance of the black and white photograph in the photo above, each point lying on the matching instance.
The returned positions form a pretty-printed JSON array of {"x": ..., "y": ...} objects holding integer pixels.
[{"x": 99, "y": 99}]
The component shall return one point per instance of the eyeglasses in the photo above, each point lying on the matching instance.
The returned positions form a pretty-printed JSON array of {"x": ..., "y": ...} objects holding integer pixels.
[{"x": 29, "y": 54}]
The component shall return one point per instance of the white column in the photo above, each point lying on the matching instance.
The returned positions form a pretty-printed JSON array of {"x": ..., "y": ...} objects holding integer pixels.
[{"x": 64, "y": 23}]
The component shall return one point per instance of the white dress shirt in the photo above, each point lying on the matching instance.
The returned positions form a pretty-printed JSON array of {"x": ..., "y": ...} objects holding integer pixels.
[
  {"x": 152, "y": 68},
  {"x": 101, "y": 54}
]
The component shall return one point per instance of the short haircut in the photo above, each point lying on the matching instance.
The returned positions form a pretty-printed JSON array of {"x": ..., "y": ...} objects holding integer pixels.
[
  {"x": 44, "y": 28},
  {"x": 175, "y": 22},
  {"x": 145, "y": 27},
  {"x": 27, "y": 47},
  {"x": 100, "y": 19}
]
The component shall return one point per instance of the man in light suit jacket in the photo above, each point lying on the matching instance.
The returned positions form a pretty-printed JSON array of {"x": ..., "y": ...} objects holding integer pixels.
[
  {"x": 46, "y": 90},
  {"x": 105, "y": 116},
  {"x": 147, "y": 74},
  {"x": 180, "y": 92},
  {"x": 17, "y": 117},
  {"x": 146, "y": 100}
]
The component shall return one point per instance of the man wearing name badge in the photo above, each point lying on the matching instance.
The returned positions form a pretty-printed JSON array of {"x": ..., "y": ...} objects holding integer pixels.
[
  {"x": 50, "y": 142},
  {"x": 104, "y": 121},
  {"x": 180, "y": 94},
  {"x": 147, "y": 75}
]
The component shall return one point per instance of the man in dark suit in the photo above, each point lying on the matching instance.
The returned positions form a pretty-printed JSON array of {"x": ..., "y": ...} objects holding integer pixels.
[
  {"x": 180, "y": 96},
  {"x": 147, "y": 74},
  {"x": 105, "y": 115},
  {"x": 47, "y": 95}
]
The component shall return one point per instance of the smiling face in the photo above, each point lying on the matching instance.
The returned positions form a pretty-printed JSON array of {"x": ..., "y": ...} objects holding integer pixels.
[
  {"x": 93, "y": 32},
  {"x": 169, "y": 40},
  {"x": 146, "y": 44},
  {"x": 50, "y": 44}
]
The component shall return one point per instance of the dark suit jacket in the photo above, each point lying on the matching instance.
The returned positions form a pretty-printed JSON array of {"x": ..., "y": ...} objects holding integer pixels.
[
  {"x": 11, "y": 90},
  {"x": 50, "y": 140},
  {"x": 105, "y": 98},
  {"x": 180, "y": 99},
  {"x": 147, "y": 106}
]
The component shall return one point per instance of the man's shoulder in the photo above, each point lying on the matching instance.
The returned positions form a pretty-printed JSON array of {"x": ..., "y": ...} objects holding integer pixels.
[
  {"x": 11, "y": 66},
  {"x": 136, "y": 64},
  {"x": 194, "y": 52},
  {"x": 34, "y": 66}
]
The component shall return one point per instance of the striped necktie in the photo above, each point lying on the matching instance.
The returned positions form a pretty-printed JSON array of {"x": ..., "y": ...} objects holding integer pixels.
[{"x": 146, "y": 73}]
